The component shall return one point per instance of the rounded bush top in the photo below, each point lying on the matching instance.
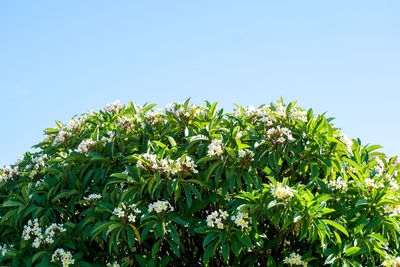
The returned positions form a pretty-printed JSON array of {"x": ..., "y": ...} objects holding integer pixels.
[{"x": 187, "y": 186}]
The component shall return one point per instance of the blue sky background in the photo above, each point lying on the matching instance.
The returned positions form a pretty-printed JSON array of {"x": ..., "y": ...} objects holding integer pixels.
[{"x": 61, "y": 58}]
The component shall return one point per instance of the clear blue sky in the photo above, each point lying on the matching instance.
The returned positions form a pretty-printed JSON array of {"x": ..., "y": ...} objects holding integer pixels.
[{"x": 61, "y": 58}]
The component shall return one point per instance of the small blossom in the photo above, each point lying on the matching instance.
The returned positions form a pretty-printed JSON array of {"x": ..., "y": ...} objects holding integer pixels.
[
  {"x": 217, "y": 219},
  {"x": 3, "y": 250},
  {"x": 92, "y": 197},
  {"x": 113, "y": 107},
  {"x": 346, "y": 141},
  {"x": 279, "y": 135},
  {"x": 114, "y": 264},
  {"x": 86, "y": 146},
  {"x": 283, "y": 193},
  {"x": 294, "y": 259},
  {"x": 338, "y": 184},
  {"x": 241, "y": 220},
  {"x": 215, "y": 149},
  {"x": 131, "y": 218},
  {"x": 160, "y": 206},
  {"x": 63, "y": 257},
  {"x": 246, "y": 154},
  {"x": 370, "y": 183}
]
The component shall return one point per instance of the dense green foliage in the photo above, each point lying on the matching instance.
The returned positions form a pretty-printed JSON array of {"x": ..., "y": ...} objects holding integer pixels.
[{"x": 189, "y": 186}]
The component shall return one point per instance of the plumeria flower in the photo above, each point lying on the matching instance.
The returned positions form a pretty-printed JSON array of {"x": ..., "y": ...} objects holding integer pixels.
[{"x": 131, "y": 218}]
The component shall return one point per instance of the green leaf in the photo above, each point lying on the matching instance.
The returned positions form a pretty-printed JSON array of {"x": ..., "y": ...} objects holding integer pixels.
[
  {"x": 352, "y": 250},
  {"x": 210, "y": 251},
  {"x": 270, "y": 261},
  {"x": 337, "y": 226},
  {"x": 38, "y": 255},
  {"x": 379, "y": 238},
  {"x": 210, "y": 237},
  {"x": 225, "y": 251},
  {"x": 245, "y": 239},
  {"x": 155, "y": 248}
]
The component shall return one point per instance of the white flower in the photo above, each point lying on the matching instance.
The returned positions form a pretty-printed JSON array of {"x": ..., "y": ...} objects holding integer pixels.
[
  {"x": 241, "y": 220},
  {"x": 294, "y": 259},
  {"x": 113, "y": 107},
  {"x": 246, "y": 154},
  {"x": 86, "y": 146},
  {"x": 298, "y": 114},
  {"x": 63, "y": 257},
  {"x": 92, "y": 197},
  {"x": 346, "y": 141},
  {"x": 215, "y": 148},
  {"x": 216, "y": 219},
  {"x": 151, "y": 159},
  {"x": 114, "y": 264},
  {"x": 282, "y": 193},
  {"x": 279, "y": 135},
  {"x": 370, "y": 183},
  {"x": 338, "y": 184},
  {"x": 3, "y": 249},
  {"x": 160, "y": 206},
  {"x": 119, "y": 212},
  {"x": 131, "y": 218}
]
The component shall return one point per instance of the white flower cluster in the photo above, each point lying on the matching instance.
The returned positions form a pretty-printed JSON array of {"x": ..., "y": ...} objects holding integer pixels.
[
  {"x": 108, "y": 139},
  {"x": 370, "y": 183},
  {"x": 113, "y": 107},
  {"x": 86, "y": 146},
  {"x": 126, "y": 123},
  {"x": 348, "y": 143},
  {"x": 215, "y": 148},
  {"x": 241, "y": 220},
  {"x": 294, "y": 259},
  {"x": 167, "y": 166},
  {"x": 392, "y": 210},
  {"x": 3, "y": 249},
  {"x": 73, "y": 126},
  {"x": 160, "y": 206},
  {"x": 338, "y": 184},
  {"x": 380, "y": 166},
  {"x": 127, "y": 212},
  {"x": 150, "y": 158},
  {"x": 280, "y": 110},
  {"x": 155, "y": 117},
  {"x": 47, "y": 137},
  {"x": 181, "y": 112},
  {"x": 249, "y": 111},
  {"x": 283, "y": 193},
  {"x": 62, "y": 256},
  {"x": 38, "y": 162},
  {"x": 298, "y": 114},
  {"x": 217, "y": 219},
  {"x": 264, "y": 113},
  {"x": 391, "y": 262},
  {"x": 279, "y": 135},
  {"x": 8, "y": 173},
  {"x": 114, "y": 264},
  {"x": 63, "y": 136},
  {"x": 92, "y": 197},
  {"x": 393, "y": 185},
  {"x": 246, "y": 154},
  {"x": 268, "y": 120},
  {"x": 33, "y": 230},
  {"x": 65, "y": 132},
  {"x": 188, "y": 164}
]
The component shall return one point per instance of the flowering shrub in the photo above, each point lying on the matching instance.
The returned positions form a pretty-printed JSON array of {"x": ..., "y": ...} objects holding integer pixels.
[{"x": 194, "y": 186}]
